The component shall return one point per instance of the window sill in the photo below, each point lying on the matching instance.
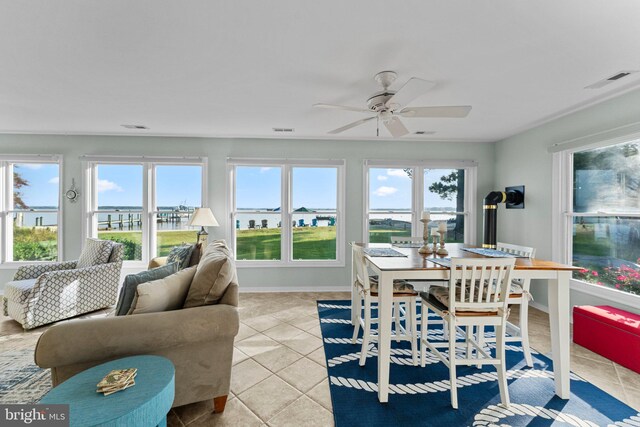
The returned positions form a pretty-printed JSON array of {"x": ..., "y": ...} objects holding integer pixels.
[
  {"x": 283, "y": 264},
  {"x": 611, "y": 295}
]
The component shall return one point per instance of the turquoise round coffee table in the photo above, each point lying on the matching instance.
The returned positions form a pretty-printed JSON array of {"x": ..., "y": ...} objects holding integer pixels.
[{"x": 145, "y": 404}]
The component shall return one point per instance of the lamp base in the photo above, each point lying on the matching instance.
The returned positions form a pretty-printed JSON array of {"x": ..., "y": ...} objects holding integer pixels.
[{"x": 202, "y": 236}]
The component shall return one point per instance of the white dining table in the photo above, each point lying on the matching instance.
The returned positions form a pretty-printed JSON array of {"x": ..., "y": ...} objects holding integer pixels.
[{"x": 416, "y": 266}]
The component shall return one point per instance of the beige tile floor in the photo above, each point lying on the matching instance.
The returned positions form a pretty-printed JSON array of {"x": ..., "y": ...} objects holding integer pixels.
[{"x": 279, "y": 376}]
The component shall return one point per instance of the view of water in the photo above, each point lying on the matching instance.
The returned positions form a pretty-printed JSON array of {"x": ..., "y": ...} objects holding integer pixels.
[
  {"x": 130, "y": 217},
  {"x": 182, "y": 218}
]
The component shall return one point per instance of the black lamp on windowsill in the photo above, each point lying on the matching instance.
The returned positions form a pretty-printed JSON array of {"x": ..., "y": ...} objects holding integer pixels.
[{"x": 203, "y": 217}]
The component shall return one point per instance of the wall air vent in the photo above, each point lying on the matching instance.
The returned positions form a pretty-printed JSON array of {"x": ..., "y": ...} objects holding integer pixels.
[
  {"x": 134, "y": 127},
  {"x": 617, "y": 76},
  {"x": 284, "y": 130}
]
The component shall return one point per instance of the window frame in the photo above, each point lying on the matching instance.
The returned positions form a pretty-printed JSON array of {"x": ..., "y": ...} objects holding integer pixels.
[
  {"x": 417, "y": 192},
  {"x": 149, "y": 209},
  {"x": 562, "y": 220},
  {"x": 6, "y": 201},
  {"x": 286, "y": 187}
]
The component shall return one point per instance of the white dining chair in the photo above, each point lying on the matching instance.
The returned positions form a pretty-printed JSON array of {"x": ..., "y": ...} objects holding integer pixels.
[
  {"x": 474, "y": 297},
  {"x": 518, "y": 295},
  {"x": 405, "y": 299}
]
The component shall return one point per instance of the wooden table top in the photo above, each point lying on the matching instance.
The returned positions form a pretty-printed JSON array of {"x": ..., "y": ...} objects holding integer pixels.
[{"x": 418, "y": 261}]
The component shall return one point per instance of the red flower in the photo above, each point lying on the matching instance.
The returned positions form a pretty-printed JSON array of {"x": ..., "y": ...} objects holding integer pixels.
[
  {"x": 621, "y": 278},
  {"x": 617, "y": 285},
  {"x": 595, "y": 273},
  {"x": 599, "y": 283},
  {"x": 584, "y": 270}
]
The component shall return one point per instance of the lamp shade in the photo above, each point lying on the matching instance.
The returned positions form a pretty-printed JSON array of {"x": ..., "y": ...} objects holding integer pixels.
[{"x": 203, "y": 217}]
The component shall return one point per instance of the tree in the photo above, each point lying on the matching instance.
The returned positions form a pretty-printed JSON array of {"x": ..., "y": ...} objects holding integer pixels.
[
  {"x": 448, "y": 186},
  {"x": 19, "y": 182}
]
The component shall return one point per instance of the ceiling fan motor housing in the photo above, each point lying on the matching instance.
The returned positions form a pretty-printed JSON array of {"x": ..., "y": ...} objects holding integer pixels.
[{"x": 378, "y": 101}]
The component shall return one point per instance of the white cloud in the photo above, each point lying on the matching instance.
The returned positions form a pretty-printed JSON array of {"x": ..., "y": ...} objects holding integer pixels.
[
  {"x": 263, "y": 170},
  {"x": 106, "y": 185},
  {"x": 30, "y": 165},
  {"x": 382, "y": 178},
  {"x": 385, "y": 191},
  {"x": 397, "y": 172},
  {"x": 54, "y": 180}
]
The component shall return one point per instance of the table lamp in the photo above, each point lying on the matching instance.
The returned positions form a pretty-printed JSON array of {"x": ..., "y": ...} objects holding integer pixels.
[{"x": 203, "y": 217}]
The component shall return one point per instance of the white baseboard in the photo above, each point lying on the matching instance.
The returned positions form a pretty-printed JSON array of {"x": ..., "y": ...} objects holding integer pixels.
[
  {"x": 245, "y": 289},
  {"x": 539, "y": 306}
]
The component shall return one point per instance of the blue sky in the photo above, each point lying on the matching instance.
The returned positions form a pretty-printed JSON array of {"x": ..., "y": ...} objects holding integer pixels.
[
  {"x": 121, "y": 185},
  {"x": 391, "y": 189},
  {"x": 43, "y": 183},
  {"x": 259, "y": 187},
  {"x": 118, "y": 185}
]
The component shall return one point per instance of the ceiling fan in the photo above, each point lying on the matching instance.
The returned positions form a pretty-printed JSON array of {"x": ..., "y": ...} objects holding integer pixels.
[{"x": 389, "y": 105}]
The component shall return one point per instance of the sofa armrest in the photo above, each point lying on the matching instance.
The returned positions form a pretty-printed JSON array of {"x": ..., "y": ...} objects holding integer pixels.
[
  {"x": 34, "y": 271},
  {"x": 87, "y": 340},
  {"x": 158, "y": 261}
]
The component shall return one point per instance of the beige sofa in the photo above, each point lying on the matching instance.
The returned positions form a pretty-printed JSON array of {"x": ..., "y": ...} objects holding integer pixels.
[{"x": 198, "y": 340}]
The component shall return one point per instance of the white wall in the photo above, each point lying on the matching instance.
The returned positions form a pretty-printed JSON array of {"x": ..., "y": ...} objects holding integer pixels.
[
  {"x": 523, "y": 159},
  {"x": 217, "y": 150}
]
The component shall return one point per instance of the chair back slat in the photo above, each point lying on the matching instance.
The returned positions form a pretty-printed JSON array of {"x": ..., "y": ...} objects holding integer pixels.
[
  {"x": 362, "y": 273},
  {"x": 479, "y": 284},
  {"x": 521, "y": 251}
]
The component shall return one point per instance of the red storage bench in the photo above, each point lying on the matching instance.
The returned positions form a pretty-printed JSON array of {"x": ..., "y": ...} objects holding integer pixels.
[{"x": 610, "y": 332}]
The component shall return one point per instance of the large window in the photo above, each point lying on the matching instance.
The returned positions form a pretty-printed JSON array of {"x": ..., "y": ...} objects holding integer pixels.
[
  {"x": 287, "y": 212},
  {"x": 30, "y": 208},
  {"x": 603, "y": 216},
  {"x": 145, "y": 204},
  {"x": 398, "y": 193}
]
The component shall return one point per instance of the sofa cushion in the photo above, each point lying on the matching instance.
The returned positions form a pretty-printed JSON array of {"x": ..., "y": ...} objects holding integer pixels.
[
  {"x": 94, "y": 252},
  {"x": 181, "y": 255},
  {"x": 19, "y": 290},
  {"x": 214, "y": 273},
  {"x": 131, "y": 282},
  {"x": 164, "y": 294}
]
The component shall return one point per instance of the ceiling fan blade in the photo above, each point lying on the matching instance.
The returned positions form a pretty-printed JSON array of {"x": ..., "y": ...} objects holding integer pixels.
[
  {"x": 351, "y": 125},
  {"x": 454, "y": 111},
  {"x": 342, "y": 107},
  {"x": 395, "y": 127},
  {"x": 410, "y": 91}
]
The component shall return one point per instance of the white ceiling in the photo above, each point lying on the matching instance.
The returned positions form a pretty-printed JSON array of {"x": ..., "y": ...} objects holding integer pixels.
[{"x": 240, "y": 68}]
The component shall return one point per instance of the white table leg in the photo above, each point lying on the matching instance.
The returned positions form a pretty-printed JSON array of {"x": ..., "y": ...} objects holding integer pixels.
[
  {"x": 354, "y": 293},
  {"x": 385, "y": 302},
  {"x": 559, "y": 320}
]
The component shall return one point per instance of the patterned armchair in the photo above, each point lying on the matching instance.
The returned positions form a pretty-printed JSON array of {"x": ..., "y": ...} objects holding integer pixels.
[{"x": 45, "y": 293}]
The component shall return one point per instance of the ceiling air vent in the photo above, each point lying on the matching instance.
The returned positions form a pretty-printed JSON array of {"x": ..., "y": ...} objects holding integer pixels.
[
  {"x": 134, "y": 127},
  {"x": 619, "y": 75},
  {"x": 424, "y": 132},
  {"x": 283, "y": 130}
]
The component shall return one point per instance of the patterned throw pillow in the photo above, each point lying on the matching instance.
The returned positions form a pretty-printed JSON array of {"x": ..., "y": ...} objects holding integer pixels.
[
  {"x": 181, "y": 255},
  {"x": 95, "y": 252}
]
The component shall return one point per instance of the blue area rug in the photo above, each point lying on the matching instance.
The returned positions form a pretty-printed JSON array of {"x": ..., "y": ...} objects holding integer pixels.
[
  {"x": 21, "y": 381},
  {"x": 420, "y": 396}
]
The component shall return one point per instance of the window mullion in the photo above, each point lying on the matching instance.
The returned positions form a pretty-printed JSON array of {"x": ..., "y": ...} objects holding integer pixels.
[
  {"x": 418, "y": 200},
  {"x": 150, "y": 212},
  {"x": 286, "y": 228}
]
